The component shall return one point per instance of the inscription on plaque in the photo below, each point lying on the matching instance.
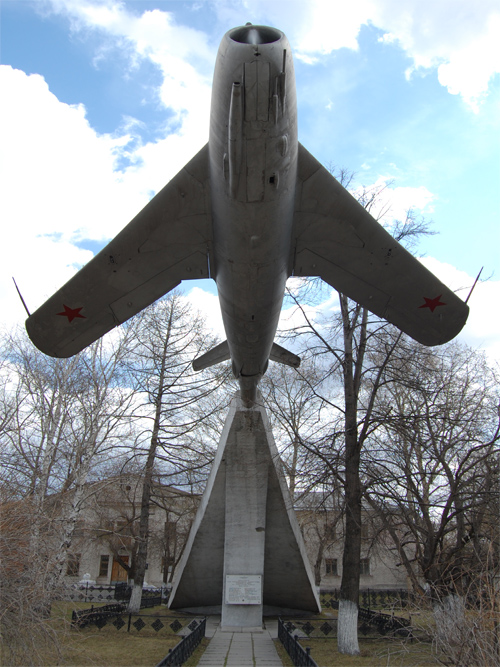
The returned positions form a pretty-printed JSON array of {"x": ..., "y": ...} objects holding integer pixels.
[{"x": 243, "y": 589}]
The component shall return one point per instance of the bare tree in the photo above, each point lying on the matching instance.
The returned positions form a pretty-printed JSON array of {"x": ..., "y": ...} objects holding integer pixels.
[
  {"x": 434, "y": 467},
  {"x": 26, "y": 631},
  {"x": 168, "y": 336},
  {"x": 295, "y": 411},
  {"x": 66, "y": 416},
  {"x": 360, "y": 347}
]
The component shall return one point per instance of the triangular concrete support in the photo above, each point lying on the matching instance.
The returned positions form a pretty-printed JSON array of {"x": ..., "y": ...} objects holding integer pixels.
[{"x": 245, "y": 532}]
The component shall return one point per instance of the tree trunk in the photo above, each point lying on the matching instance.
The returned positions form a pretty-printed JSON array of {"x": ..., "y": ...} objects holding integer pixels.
[
  {"x": 451, "y": 628},
  {"x": 318, "y": 562},
  {"x": 142, "y": 550},
  {"x": 347, "y": 628},
  {"x": 349, "y": 587}
]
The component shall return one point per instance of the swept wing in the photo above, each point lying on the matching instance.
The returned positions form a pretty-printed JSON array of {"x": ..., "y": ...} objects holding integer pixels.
[
  {"x": 337, "y": 239},
  {"x": 168, "y": 241}
]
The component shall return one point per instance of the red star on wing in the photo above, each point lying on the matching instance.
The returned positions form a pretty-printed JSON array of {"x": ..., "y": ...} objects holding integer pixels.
[
  {"x": 71, "y": 313},
  {"x": 432, "y": 304}
]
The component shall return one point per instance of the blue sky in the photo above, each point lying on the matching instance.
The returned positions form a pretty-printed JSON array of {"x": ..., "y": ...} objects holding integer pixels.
[{"x": 104, "y": 101}]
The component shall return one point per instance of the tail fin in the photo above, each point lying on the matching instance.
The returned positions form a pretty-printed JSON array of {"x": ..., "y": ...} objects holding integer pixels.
[
  {"x": 214, "y": 356},
  {"x": 283, "y": 356},
  {"x": 220, "y": 353}
]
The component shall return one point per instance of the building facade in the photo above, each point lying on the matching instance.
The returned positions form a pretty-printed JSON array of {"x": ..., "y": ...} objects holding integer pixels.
[{"x": 105, "y": 540}]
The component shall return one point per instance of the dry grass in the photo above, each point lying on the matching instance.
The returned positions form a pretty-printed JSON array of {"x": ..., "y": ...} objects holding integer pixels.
[
  {"x": 108, "y": 647},
  {"x": 374, "y": 653}
]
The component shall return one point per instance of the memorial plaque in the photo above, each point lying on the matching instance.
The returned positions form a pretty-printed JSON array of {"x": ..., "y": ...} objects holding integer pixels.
[{"x": 243, "y": 589}]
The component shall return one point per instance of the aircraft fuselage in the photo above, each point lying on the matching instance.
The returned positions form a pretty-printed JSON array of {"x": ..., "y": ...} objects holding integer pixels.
[
  {"x": 251, "y": 208},
  {"x": 253, "y": 165}
]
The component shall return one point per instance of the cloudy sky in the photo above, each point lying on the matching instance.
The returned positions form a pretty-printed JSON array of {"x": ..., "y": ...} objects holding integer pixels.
[{"x": 104, "y": 101}]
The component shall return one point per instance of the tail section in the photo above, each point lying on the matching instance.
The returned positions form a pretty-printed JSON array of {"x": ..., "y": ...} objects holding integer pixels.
[
  {"x": 220, "y": 353},
  {"x": 282, "y": 356},
  {"x": 216, "y": 355}
]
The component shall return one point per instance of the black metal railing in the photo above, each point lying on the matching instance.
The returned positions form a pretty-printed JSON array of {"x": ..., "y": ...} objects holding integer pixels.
[
  {"x": 80, "y": 619},
  {"x": 148, "y": 601},
  {"x": 179, "y": 654},
  {"x": 89, "y": 593},
  {"x": 120, "y": 591},
  {"x": 384, "y": 623},
  {"x": 299, "y": 655},
  {"x": 116, "y": 618},
  {"x": 150, "y": 598},
  {"x": 123, "y": 591},
  {"x": 369, "y": 623},
  {"x": 313, "y": 628},
  {"x": 369, "y": 598},
  {"x": 97, "y": 615}
]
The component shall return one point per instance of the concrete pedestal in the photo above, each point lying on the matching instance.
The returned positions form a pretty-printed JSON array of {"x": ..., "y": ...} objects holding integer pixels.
[{"x": 245, "y": 536}]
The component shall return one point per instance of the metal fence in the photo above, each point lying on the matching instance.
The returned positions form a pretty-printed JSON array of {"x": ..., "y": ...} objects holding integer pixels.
[
  {"x": 120, "y": 592},
  {"x": 370, "y": 623},
  {"x": 369, "y": 598},
  {"x": 301, "y": 657},
  {"x": 386, "y": 624},
  {"x": 89, "y": 593},
  {"x": 179, "y": 654},
  {"x": 110, "y": 619},
  {"x": 80, "y": 619}
]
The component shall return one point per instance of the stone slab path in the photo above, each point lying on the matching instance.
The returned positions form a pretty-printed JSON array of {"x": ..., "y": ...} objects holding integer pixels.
[{"x": 240, "y": 649}]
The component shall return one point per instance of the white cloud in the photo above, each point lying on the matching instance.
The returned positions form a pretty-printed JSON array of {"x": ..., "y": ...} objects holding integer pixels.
[
  {"x": 60, "y": 178},
  {"x": 207, "y": 304},
  {"x": 457, "y": 38},
  {"x": 51, "y": 146},
  {"x": 52, "y": 160},
  {"x": 185, "y": 60},
  {"x": 308, "y": 60},
  {"x": 393, "y": 203},
  {"x": 482, "y": 330}
]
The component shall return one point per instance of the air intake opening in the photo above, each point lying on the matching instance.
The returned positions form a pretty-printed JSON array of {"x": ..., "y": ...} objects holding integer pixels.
[{"x": 255, "y": 34}]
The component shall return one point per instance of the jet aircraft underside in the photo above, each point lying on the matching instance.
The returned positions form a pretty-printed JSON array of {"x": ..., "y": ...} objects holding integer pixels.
[{"x": 249, "y": 210}]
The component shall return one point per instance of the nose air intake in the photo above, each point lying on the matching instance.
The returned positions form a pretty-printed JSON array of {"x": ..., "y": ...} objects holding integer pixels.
[{"x": 255, "y": 34}]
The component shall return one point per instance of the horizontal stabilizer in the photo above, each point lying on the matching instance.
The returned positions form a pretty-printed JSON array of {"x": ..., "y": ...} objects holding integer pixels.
[
  {"x": 283, "y": 356},
  {"x": 216, "y": 355}
]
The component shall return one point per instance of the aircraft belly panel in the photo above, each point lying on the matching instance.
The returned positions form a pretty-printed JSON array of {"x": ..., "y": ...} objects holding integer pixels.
[
  {"x": 257, "y": 78},
  {"x": 256, "y": 169}
]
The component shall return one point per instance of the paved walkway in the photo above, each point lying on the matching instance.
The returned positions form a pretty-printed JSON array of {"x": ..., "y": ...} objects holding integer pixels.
[{"x": 239, "y": 649}]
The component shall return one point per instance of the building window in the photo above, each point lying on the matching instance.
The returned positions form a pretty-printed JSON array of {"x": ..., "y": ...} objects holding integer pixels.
[
  {"x": 73, "y": 565},
  {"x": 330, "y": 532},
  {"x": 331, "y": 567},
  {"x": 166, "y": 563},
  {"x": 123, "y": 527},
  {"x": 79, "y": 527},
  {"x": 104, "y": 566},
  {"x": 170, "y": 530},
  {"x": 365, "y": 566}
]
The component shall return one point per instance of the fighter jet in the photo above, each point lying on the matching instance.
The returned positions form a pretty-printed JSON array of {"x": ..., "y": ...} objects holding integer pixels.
[{"x": 251, "y": 209}]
